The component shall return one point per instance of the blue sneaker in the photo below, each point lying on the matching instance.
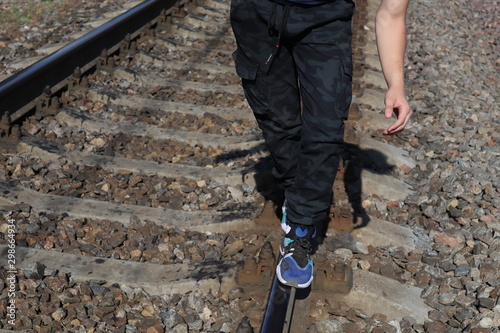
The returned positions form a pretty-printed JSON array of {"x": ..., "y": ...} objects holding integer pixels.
[{"x": 296, "y": 268}]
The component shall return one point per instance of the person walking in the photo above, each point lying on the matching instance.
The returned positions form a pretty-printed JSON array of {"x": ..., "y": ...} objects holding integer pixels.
[{"x": 294, "y": 59}]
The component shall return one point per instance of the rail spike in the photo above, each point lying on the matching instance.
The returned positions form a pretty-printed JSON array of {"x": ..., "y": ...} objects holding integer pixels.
[
  {"x": 258, "y": 271},
  {"x": 333, "y": 276},
  {"x": 5, "y": 125},
  {"x": 48, "y": 103}
]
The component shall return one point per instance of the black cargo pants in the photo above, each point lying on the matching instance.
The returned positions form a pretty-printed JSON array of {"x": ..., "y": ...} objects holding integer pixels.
[{"x": 296, "y": 69}]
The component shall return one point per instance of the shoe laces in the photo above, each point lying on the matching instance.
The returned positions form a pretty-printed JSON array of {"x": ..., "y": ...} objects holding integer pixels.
[{"x": 300, "y": 249}]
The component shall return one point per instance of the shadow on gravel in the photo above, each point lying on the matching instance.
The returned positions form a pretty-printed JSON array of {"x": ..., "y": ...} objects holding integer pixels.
[{"x": 354, "y": 161}]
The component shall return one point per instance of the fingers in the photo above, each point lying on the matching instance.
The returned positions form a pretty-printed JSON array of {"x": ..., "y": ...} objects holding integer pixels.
[
  {"x": 397, "y": 104},
  {"x": 403, "y": 114},
  {"x": 388, "y": 111}
]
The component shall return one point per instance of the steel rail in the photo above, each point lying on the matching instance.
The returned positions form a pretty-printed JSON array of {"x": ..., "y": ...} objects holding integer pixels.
[
  {"x": 279, "y": 308},
  {"x": 289, "y": 311},
  {"x": 278, "y": 316},
  {"x": 22, "y": 88}
]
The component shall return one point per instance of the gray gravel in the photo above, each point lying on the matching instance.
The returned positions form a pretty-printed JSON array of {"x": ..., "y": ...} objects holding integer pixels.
[{"x": 453, "y": 84}]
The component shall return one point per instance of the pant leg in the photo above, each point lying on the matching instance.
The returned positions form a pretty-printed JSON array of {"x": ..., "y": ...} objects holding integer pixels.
[
  {"x": 271, "y": 90},
  {"x": 315, "y": 49},
  {"x": 323, "y": 62}
]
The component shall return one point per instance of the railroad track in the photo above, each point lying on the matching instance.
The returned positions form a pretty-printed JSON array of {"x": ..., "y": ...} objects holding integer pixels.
[{"x": 146, "y": 158}]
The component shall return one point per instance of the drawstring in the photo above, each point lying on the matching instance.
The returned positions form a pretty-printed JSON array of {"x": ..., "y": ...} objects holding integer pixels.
[
  {"x": 272, "y": 20},
  {"x": 270, "y": 26}
]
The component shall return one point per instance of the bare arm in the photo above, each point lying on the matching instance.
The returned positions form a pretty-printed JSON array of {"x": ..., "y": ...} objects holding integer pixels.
[{"x": 391, "y": 42}]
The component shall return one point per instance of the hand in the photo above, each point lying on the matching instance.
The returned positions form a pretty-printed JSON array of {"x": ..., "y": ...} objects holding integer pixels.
[{"x": 396, "y": 103}]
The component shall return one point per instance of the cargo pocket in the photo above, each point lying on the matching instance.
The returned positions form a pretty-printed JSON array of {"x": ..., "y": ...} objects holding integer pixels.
[
  {"x": 245, "y": 68},
  {"x": 345, "y": 88},
  {"x": 248, "y": 71}
]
